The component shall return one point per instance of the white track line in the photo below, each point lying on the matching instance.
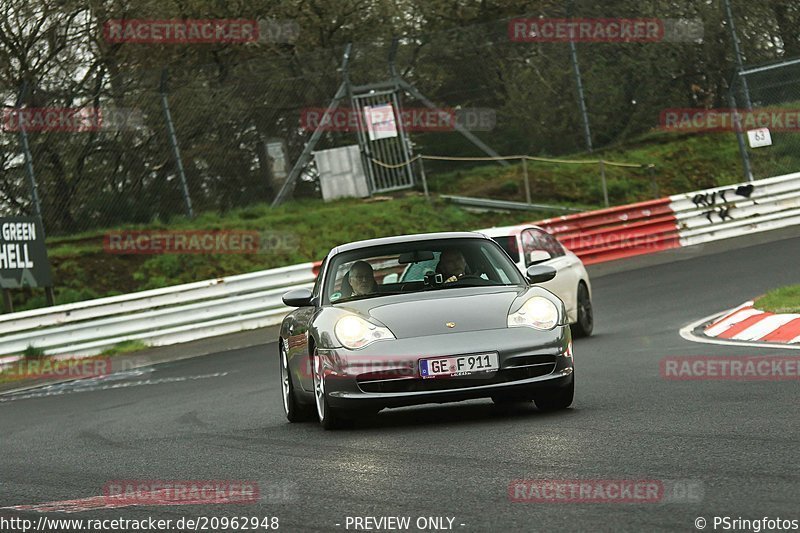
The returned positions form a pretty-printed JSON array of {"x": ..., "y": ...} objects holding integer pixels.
[{"x": 687, "y": 333}]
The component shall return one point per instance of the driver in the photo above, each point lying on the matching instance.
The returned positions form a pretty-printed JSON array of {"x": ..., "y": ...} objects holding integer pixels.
[
  {"x": 452, "y": 265},
  {"x": 362, "y": 278}
]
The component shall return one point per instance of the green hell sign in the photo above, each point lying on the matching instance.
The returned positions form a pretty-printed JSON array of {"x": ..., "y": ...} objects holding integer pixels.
[{"x": 23, "y": 255}]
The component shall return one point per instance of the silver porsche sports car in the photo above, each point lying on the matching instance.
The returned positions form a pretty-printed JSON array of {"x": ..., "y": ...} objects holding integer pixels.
[{"x": 414, "y": 319}]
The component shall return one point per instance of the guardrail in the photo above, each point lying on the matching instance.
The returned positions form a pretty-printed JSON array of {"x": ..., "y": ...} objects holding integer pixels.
[
  {"x": 226, "y": 305},
  {"x": 679, "y": 220},
  {"x": 724, "y": 212},
  {"x": 156, "y": 317},
  {"x": 617, "y": 232},
  {"x": 505, "y": 204}
]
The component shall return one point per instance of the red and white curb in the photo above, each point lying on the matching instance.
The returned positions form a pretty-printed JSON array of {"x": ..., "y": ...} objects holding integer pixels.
[{"x": 746, "y": 323}]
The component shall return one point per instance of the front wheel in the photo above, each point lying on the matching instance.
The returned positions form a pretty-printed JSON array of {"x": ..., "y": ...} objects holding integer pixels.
[
  {"x": 294, "y": 410},
  {"x": 585, "y": 324},
  {"x": 329, "y": 418},
  {"x": 557, "y": 399}
]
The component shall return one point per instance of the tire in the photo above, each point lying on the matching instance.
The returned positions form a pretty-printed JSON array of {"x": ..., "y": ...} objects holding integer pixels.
[
  {"x": 329, "y": 418},
  {"x": 294, "y": 410},
  {"x": 557, "y": 399},
  {"x": 585, "y": 324}
]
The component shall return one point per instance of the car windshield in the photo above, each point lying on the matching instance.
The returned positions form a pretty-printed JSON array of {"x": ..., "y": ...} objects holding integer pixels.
[{"x": 417, "y": 266}]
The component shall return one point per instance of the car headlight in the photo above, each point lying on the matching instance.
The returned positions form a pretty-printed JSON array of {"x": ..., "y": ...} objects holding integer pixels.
[
  {"x": 538, "y": 312},
  {"x": 354, "y": 332}
]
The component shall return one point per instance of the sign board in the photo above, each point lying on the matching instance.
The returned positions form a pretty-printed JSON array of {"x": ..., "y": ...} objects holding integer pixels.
[
  {"x": 759, "y": 137},
  {"x": 23, "y": 255},
  {"x": 341, "y": 174},
  {"x": 380, "y": 122}
]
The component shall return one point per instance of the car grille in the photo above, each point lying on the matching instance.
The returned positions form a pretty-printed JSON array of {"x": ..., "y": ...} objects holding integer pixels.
[{"x": 525, "y": 367}]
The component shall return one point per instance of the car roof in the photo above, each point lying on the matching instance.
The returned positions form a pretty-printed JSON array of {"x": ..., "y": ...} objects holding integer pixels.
[
  {"x": 406, "y": 238},
  {"x": 506, "y": 230}
]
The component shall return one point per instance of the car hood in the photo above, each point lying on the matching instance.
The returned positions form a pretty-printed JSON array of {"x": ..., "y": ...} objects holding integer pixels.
[{"x": 428, "y": 313}]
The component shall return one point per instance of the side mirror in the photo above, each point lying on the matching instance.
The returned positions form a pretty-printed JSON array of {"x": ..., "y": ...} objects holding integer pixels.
[
  {"x": 297, "y": 298},
  {"x": 537, "y": 256},
  {"x": 540, "y": 273},
  {"x": 390, "y": 278}
]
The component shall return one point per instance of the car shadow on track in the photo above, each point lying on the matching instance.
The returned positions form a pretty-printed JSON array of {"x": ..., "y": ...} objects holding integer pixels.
[{"x": 455, "y": 414}]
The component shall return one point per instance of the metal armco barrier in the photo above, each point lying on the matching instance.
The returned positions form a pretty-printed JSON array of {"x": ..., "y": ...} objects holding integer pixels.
[
  {"x": 680, "y": 220},
  {"x": 617, "y": 232},
  {"x": 226, "y": 305},
  {"x": 724, "y": 212},
  {"x": 157, "y": 317}
]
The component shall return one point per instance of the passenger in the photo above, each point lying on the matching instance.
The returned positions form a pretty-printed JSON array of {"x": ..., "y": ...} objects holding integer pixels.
[
  {"x": 362, "y": 279},
  {"x": 452, "y": 265}
]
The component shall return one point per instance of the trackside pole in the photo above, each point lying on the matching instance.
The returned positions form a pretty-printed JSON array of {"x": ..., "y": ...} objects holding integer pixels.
[{"x": 173, "y": 140}]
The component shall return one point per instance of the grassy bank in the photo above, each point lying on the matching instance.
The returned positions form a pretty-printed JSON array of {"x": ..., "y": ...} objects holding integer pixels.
[
  {"x": 782, "y": 300},
  {"x": 681, "y": 163}
]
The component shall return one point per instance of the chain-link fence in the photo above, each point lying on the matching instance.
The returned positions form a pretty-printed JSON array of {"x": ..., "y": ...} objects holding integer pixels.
[
  {"x": 768, "y": 97},
  {"x": 222, "y": 129}
]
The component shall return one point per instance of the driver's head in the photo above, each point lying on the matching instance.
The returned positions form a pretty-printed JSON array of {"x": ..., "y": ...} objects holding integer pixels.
[
  {"x": 452, "y": 263},
  {"x": 362, "y": 279}
]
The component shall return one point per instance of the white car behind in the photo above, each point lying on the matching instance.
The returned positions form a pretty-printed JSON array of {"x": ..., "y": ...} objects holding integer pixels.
[{"x": 528, "y": 245}]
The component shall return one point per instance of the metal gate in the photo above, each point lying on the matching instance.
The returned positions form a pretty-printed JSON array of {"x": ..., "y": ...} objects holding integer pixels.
[{"x": 382, "y": 137}]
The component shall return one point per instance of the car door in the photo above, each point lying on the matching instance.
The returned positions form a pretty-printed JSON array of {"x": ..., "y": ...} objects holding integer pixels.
[
  {"x": 298, "y": 336},
  {"x": 565, "y": 284}
]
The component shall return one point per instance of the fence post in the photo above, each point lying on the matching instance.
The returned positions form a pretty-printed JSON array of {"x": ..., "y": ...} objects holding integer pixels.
[
  {"x": 603, "y": 181},
  {"x": 173, "y": 139},
  {"x": 651, "y": 169},
  {"x": 737, "y": 124},
  {"x": 587, "y": 133},
  {"x": 37, "y": 206},
  {"x": 424, "y": 178},
  {"x": 527, "y": 183},
  {"x": 737, "y": 53},
  {"x": 26, "y": 149}
]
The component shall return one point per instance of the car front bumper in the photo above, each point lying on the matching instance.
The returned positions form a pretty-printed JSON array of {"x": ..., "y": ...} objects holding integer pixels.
[{"x": 386, "y": 373}]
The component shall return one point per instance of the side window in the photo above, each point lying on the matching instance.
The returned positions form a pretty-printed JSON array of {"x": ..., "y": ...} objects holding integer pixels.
[
  {"x": 531, "y": 242},
  {"x": 551, "y": 244},
  {"x": 315, "y": 292}
]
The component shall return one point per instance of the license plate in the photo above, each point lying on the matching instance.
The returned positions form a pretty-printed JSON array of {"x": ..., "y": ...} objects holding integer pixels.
[{"x": 461, "y": 365}]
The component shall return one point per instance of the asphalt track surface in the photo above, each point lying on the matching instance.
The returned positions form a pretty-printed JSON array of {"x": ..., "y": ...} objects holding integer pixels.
[{"x": 219, "y": 417}]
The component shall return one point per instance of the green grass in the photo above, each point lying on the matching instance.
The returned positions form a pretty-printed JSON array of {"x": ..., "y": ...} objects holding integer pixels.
[
  {"x": 782, "y": 300},
  {"x": 682, "y": 163},
  {"x": 125, "y": 347}
]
